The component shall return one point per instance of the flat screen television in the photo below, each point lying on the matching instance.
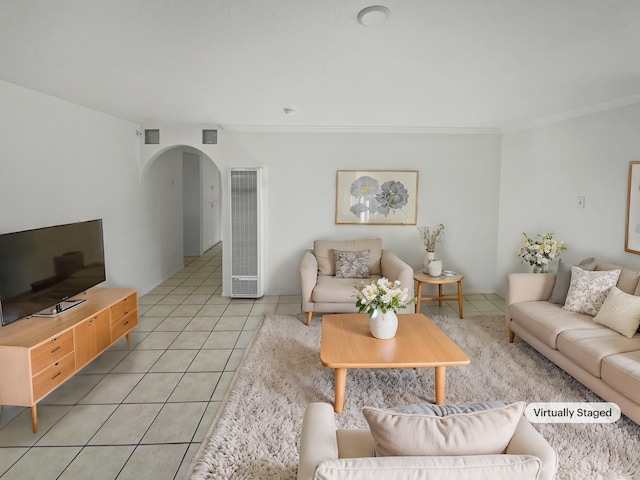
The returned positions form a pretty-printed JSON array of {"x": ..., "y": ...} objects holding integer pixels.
[{"x": 41, "y": 269}]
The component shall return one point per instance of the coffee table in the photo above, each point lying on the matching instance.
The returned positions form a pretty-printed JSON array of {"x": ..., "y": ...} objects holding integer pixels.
[{"x": 347, "y": 343}]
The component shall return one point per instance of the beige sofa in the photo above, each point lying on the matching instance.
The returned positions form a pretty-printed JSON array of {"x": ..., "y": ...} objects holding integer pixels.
[
  {"x": 324, "y": 292},
  {"x": 600, "y": 357},
  {"x": 327, "y": 453}
]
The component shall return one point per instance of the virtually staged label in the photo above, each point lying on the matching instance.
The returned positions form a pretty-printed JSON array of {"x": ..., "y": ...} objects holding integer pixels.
[{"x": 572, "y": 412}]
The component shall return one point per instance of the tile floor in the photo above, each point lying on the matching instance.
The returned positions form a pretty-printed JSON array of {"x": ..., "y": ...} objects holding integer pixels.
[{"x": 142, "y": 413}]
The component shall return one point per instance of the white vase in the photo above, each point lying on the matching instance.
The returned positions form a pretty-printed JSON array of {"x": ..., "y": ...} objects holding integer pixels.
[
  {"x": 428, "y": 256},
  {"x": 383, "y": 325},
  {"x": 435, "y": 268}
]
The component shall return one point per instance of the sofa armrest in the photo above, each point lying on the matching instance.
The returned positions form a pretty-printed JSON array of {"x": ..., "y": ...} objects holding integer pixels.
[
  {"x": 527, "y": 441},
  {"x": 528, "y": 287},
  {"x": 393, "y": 268},
  {"x": 308, "y": 278},
  {"x": 318, "y": 439}
]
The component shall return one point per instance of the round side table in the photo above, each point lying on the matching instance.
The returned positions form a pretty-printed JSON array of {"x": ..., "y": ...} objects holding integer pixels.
[{"x": 441, "y": 280}]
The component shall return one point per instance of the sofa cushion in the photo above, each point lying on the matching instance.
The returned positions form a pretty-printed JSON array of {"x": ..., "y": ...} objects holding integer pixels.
[
  {"x": 620, "y": 312},
  {"x": 628, "y": 280},
  {"x": 563, "y": 280},
  {"x": 588, "y": 290},
  {"x": 478, "y": 433},
  {"x": 323, "y": 250},
  {"x": 547, "y": 320},
  {"x": 336, "y": 290},
  {"x": 622, "y": 372},
  {"x": 477, "y": 467},
  {"x": 587, "y": 348},
  {"x": 351, "y": 264}
]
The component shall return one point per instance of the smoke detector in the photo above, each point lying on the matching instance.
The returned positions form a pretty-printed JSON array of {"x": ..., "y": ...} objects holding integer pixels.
[{"x": 373, "y": 16}]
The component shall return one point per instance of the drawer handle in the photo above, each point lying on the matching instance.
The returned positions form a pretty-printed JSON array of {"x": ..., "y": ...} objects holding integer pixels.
[
  {"x": 55, "y": 349},
  {"x": 127, "y": 322},
  {"x": 52, "y": 378}
]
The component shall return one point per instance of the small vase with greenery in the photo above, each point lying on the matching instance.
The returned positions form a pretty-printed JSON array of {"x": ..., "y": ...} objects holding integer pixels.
[{"x": 431, "y": 237}]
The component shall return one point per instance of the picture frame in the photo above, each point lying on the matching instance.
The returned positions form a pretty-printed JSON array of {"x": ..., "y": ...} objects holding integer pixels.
[
  {"x": 632, "y": 231},
  {"x": 376, "y": 197}
]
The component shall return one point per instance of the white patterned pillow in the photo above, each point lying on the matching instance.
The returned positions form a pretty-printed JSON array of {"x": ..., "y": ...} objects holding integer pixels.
[
  {"x": 620, "y": 312},
  {"x": 351, "y": 264},
  {"x": 588, "y": 290}
]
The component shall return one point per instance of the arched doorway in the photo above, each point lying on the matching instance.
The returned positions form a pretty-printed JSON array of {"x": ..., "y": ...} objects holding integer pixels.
[{"x": 191, "y": 178}]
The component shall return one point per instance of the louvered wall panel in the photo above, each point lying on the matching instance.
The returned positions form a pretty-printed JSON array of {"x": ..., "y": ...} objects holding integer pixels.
[{"x": 246, "y": 236}]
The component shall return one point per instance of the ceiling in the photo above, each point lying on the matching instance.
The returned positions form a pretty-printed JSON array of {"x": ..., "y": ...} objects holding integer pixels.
[{"x": 473, "y": 64}]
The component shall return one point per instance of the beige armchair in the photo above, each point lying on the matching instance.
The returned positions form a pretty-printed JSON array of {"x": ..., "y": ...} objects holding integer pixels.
[
  {"x": 324, "y": 292},
  {"x": 329, "y": 453}
]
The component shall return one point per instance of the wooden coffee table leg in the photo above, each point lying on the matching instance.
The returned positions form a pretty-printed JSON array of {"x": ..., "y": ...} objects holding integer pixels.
[
  {"x": 341, "y": 380},
  {"x": 460, "y": 296},
  {"x": 440, "y": 381}
]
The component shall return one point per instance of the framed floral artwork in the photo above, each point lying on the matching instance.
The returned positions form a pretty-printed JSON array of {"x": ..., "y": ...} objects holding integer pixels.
[
  {"x": 632, "y": 237},
  {"x": 376, "y": 197}
]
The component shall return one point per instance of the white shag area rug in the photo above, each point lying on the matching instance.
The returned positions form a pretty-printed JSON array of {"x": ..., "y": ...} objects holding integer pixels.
[{"x": 255, "y": 435}]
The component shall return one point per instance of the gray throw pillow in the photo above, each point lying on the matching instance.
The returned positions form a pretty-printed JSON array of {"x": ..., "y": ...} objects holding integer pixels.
[
  {"x": 351, "y": 264},
  {"x": 563, "y": 280},
  {"x": 446, "y": 409}
]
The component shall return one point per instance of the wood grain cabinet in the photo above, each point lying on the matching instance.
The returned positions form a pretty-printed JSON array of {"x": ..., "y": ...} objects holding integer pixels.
[{"x": 37, "y": 355}]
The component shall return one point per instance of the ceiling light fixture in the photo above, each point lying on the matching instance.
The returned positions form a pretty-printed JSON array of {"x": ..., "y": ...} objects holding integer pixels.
[{"x": 373, "y": 16}]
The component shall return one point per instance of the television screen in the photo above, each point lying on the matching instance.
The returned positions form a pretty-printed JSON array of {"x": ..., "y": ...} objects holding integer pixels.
[{"x": 41, "y": 268}]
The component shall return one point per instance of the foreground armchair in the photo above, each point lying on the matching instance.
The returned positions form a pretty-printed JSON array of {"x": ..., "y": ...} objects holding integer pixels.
[
  {"x": 327, "y": 453},
  {"x": 325, "y": 289}
]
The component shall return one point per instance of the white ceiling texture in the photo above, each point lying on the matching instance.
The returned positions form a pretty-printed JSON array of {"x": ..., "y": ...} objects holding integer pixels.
[{"x": 473, "y": 64}]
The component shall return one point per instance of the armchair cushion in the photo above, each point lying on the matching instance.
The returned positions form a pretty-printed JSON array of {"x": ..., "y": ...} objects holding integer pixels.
[
  {"x": 476, "y": 467},
  {"x": 323, "y": 250},
  {"x": 336, "y": 290},
  {"x": 481, "y": 432}
]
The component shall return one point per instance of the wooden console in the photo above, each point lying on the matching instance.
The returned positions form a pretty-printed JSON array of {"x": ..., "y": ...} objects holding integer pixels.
[{"x": 37, "y": 355}]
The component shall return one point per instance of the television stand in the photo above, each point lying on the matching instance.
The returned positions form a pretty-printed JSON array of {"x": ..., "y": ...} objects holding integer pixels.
[
  {"x": 58, "y": 309},
  {"x": 37, "y": 355}
]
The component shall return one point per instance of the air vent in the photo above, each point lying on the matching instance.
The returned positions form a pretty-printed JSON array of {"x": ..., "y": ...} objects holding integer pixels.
[
  {"x": 151, "y": 137},
  {"x": 209, "y": 137}
]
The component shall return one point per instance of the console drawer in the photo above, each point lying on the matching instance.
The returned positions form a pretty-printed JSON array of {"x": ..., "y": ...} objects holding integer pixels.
[
  {"x": 44, "y": 355},
  {"x": 123, "y": 308},
  {"x": 124, "y": 325},
  {"x": 53, "y": 375}
]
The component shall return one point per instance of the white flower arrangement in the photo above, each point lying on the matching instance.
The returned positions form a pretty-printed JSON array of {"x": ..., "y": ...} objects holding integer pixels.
[
  {"x": 540, "y": 250},
  {"x": 382, "y": 294},
  {"x": 431, "y": 237}
]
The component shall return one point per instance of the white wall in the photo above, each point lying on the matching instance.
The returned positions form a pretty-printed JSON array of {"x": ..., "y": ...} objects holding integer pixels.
[
  {"x": 545, "y": 169},
  {"x": 210, "y": 220},
  {"x": 62, "y": 163},
  {"x": 191, "y": 204},
  {"x": 458, "y": 186}
]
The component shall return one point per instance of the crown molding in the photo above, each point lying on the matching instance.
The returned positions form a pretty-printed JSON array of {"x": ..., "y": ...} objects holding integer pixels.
[
  {"x": 360, "y": 129},
  {"x": 580, "y": 112}
]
